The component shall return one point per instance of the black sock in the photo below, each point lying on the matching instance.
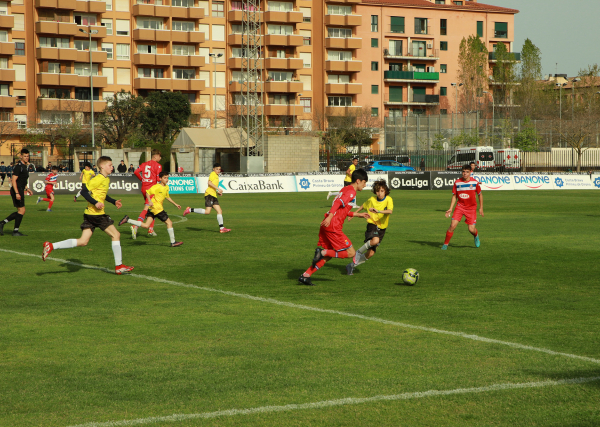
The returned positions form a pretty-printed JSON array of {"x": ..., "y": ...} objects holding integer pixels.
[
  {"x": 18, "y": 221},
  {"x": 11, "y": 217}
]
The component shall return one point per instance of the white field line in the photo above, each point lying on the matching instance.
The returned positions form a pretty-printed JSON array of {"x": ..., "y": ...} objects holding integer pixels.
[
  {"x": 337, "y": 402},
  {"x": 322, "y": 310}
]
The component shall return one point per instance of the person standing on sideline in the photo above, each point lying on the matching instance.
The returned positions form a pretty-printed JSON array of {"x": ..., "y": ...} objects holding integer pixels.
[
  {"x": 465, "y": 190},
  {"x": 20, "y": 177},
  {"x": 131, "y": 168},
  {"x": 2, "y": 174},
  {"x": 473, "y": 166},
  {"x": 347, "y": 180},
  {"x": 122, "y": 168},
  {"x": 9, "y": 171},
  {"x": 422, "y": 164},
  {"x": 148, "y": 173}
]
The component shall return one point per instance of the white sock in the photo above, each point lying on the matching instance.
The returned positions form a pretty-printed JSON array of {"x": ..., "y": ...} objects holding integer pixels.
[
  {"x": 364, "y": 248},
  {"x": 116, "y": 247},
  {"x": 359, "y": 258},
  {"x": 134, "y": 222},
  {"x": 171, "y": 234},
  {"x": 65, "y": 244},
  {"x": 220, "y": 220},
  {"x": 78, "y": 194},
  {"x": 199, "y": 211}
]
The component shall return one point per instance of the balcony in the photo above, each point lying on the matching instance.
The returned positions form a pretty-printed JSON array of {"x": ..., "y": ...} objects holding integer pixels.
[
  {"x": 187, "y": 12},
  {"x": 84, "y": 56},
  {"x": 152, "y": 59},
  {"x": 347, "y": 1},
  {"x": 343, "y": 20},
  {"x": 7, "y": 48},
  {"x": 283, "y": 110},
  {"x": 152, "y": 35},
  {"x": 187, "y": 37},
  {"x": 343, "y": 66},
  {"x": 284, "y": 40},
  {"x": 56, "y": 53},
  {"x": 516, "y": 56},
  {"x": 58, "y": 28},
  {"x": 93, "y": 6},
  {"x": 7, "y": 21},
  {"x": 343, "y": 88},
  {"x": 151, "y": 10},
  {"x": 84, "y": 81},
  {"x": 343, "y": 43},
  {"x": 152, "y": 83},
  {"x": 292, "y": 17},
  {"x": 57, "y": 4},
  {"x": 7, "y": 75},
  {"x": 101, "y": 31},
  {"x": 416, "y": 53},
  {"x": 83, "y": 106},
  {"x": 284, "y": 63},
  {"x": 283, "y": 87},
  {"x": 341, "y": 111},
  {"x": 182, "y": 84},
  {"x": 8, "y": 102},
  {"x": 187, "y": 61},
  {"x": 411, "y": 76},
  {"x": 55, "y": 79},
  {"x": 237, "y": 62},
  {"x": 237, "y": 86},
  {"x": 198, "y": 108},
  {"x": 417, "y": 99}
]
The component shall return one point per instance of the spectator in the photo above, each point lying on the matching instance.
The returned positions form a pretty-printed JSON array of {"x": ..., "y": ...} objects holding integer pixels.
[
  {"x": 122, "y": 168},
  {"x": 422, "y": 164},
  {"x": 31, "y": 167},
  {"x": 2, "y": 173},
  {"x": 95, "y": 169},
  {"x": 131, "y": 168},
  {"x": 49, "y": 167}
]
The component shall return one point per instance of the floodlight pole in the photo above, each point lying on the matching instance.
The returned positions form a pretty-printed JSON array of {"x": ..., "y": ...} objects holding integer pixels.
[
  {"x": 89, "y": 32},
  {"x": 214, "y": 57}
]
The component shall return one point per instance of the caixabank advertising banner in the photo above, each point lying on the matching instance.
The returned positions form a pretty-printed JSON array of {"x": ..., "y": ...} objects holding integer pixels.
[
  {"x": 443, "y": 180},
  {"x": 574, "y": 182},
  {"x": 533, "y": 182},
  {"x": 253, "y": 184},
  {"x": 69, "y": 183},
  {"x": 409, "y": 180},
  {"x": 494, "y": 182}
]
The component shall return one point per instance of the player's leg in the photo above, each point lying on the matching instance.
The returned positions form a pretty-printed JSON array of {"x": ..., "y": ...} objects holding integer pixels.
[
  {"x": 77, "y": 195},
  {"x": 18, "y": 219},
  {"x": 115, "y": 238},
  {"x": 222, "y": 228},
  {"x": 450, "y": 232},
  {"x": 198, "y": 211},
  {"x": 137, "y": 223},
  {"x": 324, "y": 242},
  {"x": 332, "y": 193},
  {"x": 50, "y": 200},
  {"x": 171, "y": 232},
  {"x": 474, "y": 232},
  {"x": 86, "y": 234}
]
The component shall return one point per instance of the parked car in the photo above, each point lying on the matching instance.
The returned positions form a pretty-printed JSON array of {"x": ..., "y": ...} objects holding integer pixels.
[
  {"x": 332, "y": 167},
  {"x": 388, "y": 165}
]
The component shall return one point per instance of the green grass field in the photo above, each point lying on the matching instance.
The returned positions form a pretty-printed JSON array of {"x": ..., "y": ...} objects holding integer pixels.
[{"x": 218, "y": 332}]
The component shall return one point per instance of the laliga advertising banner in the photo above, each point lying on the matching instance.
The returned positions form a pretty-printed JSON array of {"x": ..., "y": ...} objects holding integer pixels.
[
  {"x": 533, "y": 182},
  {"x": 409, "y": 180},
  {"x": 494, "y": 181},
  {"x": 319, "y": 182},
  {"x": 443, "y": 180},
  {"x": 69, "y": 183},
  {"x": 575, "y": 182}
]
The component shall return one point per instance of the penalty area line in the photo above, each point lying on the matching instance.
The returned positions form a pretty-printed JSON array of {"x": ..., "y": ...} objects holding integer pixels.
[
  {"x": 338, "y": 402},
  {"x": 324, "y": 310}
]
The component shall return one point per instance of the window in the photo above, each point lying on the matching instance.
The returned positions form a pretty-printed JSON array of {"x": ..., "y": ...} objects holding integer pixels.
[
  {"x": 19, "y": 22},
  {"x": 395, "y": 67},
  {"x": 279, "y": 100},
  {"x": 397, "y": 24},
  {"x": 19, "y": 47},
  {"x": 420, "y": 26},
  {"x": 443, "y": 27},
  {"x": 122, "y": 27},
  {"x": 109, "y": 26},
  {"x": 242, "y": 76},
  {"x": 305, "y": 36},
  {"x": 53, "y": 67},
  {"x": 339, "y": 101},
  {"x": 50, "y": 92},
  {"x": 443, "y": 91},
  {"x": 184, "y": 73},
  {"x": 334, "y": 9},
  {"x": 109, "y": 73},
  {"x": 443, "y": 111},
  {"x": 83, "y": 94},
  {"x": 146, "y": 48},
  {"x": 440, "y": 1},
  {"x": 374, "y": 42},
  {"x": 374, "y": 112},
  {"x": 374, "y": 66},
  {"x": 183, "y": 26},
  {"x": 150, "y": 73},
  {"x": 339, "y": 55},
  {"x": 85, "y": 19},
  {"x": 55, "y": 117},
  {"x": 479, "y": 28},
  {"x": 182, "y": 3},
  {"x": 108, "y": 96},
  {"x": 395, "y": 48},
  {"x": 306, "y": 59},
  {"x": 305, "y": 102},
  {"x": 3, "y": 8},
  {"x": 54, "y": 42},
  {"x": 108, "y": 48},
  {"x": 500, "y": 30},
  {"x": 83, "y": 69},
  {"x": 395, "y": 94},
  {"x": 218, "y": 9},
  {"x": 85, "y": 45},
  {"x": 338, "y": 78},
  {"x": 218, "y": 32},
  {"x": 122, "y": 51},
  {"x": 306, "y": 82},
  {"x": 185, "y": 50},
  {"x": 146, "y": 22},
  {"x": 108, "y": 4},
  {"x": 458, "y": 3},
  {"x": 443, "y": 68},
  {"x": 21, "y": 95},
  {"x": 122, "y": 6},
  {"x": 374, "y": 89},
  {"x": 280, "y": 76},
  {"x": 343, "y": 33},
  {"x": 443, "y": 45},
  {"x": 280, "y": 29},
  {"x": 306, "y": 14},
  {"x": 374, "y": 23},
  {"x": 3, "y": 36}
]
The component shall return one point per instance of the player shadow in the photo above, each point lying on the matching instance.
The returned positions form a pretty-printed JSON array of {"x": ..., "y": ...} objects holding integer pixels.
[
  {"x": 202, "y": 229},
  {"x": 570, "y": 374},
  {"x": 437, "y": 244},
  {"x": 72, "y": 266},
  {"x": 294, "y": 274}
]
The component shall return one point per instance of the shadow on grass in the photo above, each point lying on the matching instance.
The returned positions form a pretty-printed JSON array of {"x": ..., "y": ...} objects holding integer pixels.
[
  {"x": 438, "y": 244},
  {"x": 570, "y": 375},
  {"x": 294, "y": 274},
  {"x": 71, "y": 266},
  {"x": 201, "y": 229}
]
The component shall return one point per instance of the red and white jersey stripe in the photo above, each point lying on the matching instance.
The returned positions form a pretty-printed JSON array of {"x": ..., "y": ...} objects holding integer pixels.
[{"x": 466, "y": 192}]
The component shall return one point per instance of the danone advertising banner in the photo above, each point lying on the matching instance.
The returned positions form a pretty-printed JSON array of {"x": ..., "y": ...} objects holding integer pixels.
[
  {"x": 183, "y": 185},
  {"x": 489, "y": 181},
  {"x": 574, "y": 182},
  {"x": 533, "y": 182}
]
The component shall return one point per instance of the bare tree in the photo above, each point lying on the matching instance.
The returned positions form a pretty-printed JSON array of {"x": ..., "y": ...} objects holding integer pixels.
[{"x": 8, "y": 128}]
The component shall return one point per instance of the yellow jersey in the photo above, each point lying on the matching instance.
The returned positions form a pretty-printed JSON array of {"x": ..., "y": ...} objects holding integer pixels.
[
  {"x": 160, "y": 193},
  {"x": 98, "y": 187},
  {"x": 380, "y": 220},
  {"x": 349, "y": 177},
  {"x": 87, "y": 175},
  {"x": 214, "y": 178}
]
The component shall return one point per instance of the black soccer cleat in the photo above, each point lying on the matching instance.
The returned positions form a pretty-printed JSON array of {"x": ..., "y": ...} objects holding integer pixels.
[
  {"x": 318, "y": 257},
  {"x": 305, "y": 281},
  {"x": 17, "y": 233},
  {"x": 2, "y": 223},
  {"x": 124, "y": 220}
]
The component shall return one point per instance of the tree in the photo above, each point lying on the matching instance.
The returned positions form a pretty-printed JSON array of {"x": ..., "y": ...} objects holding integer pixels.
[
  {"x": 532, "y": 95},
  {"x": 355, "y": 128},
  {"x": 504, "y": 75},
  {"x": 466, "y": 139},
  {"x": 121, "y": 118},
  {"x": 164, "y": 115},
  {"x": 527, "y": 139},
  {"x": 472, "y": 66},
  {"x": 8, "y": 128}
]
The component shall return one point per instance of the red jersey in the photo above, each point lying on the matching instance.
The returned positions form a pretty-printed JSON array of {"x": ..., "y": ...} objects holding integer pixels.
[
  {"x": 148, "y": 173},
  {"x": 50, "y": 179},
  {"x": 466, "y": 192},
  {"x": 340, "y": 208}
]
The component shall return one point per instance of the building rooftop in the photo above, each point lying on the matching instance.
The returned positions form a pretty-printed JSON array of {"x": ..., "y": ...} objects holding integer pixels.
[{"x": 467, "y": 5}]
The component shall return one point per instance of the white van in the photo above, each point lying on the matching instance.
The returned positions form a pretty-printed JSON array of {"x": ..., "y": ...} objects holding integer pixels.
[
  {"x": 508, "y": 160},
  {"x": 482, "y": 156}
]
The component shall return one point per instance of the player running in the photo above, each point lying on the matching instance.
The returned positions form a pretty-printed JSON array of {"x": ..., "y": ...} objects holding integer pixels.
[
  {"x": 156, "y": 196},
  {"x": 464, "y": 190},
  {"x": 50, "y": 183},
  {"x": 331, "y": 236},
  {"x": 148, "y": 174},
  {"x": 95, "y": 192},
  {"x": 347, "y": 180},
  {"x": 86, "y": 174},
  {"x": 210, "y": 199},
  {"x": 380, "y": 206}
]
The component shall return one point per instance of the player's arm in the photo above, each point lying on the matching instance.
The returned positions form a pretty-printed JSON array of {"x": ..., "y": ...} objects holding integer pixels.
[
  {"x": 481, "y": 203},
  {"x": 117, "y": 203},
  {"x": 364, "y": 215},
  {"x": 377, "y": 211},
  {"x": 171, "y": 200},
  {"x": 81, "y": 176},
  {"x": 452, "y": 203},
  {"x": 85, "y": 192},
  {"x": 138, "y": 172},
  {"x": 215, "y": 187}
]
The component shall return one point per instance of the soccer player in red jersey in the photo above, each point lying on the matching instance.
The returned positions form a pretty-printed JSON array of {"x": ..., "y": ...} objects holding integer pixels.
[
  {"x": 465, "y": 190},
  {"x": 331, "y": 235},
  {"x": 50, "y": 183},
  {"x": 147, "y": 173}
]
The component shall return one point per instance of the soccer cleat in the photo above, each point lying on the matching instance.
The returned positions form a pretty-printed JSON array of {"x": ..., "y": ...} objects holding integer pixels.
[
  {"x": 38, "y": 200},
  {"x": 48, "y": 247},
  {"x": 477, "y": 241},
  {"x": 328, "y": 195},
  {"x": 133, "y": 232},
  {"x": 350, "y": 269},
  {"x": 74, "y": 198},
  {"x": 224, "y": 230},
  {"x": 176, "y": 244},
  {"x": 152, "y": 233},
  {"x": 17, "y": 233},
  {"x": 120, "y": 269},
  {"x": 187, "y": 211},
  {"x": 48, "y": 210},
  {"x": 305, "y": 281},
  {"x": 2, "y": 228},
  {"x": 124, "y": 220},
  {"x": 444, "y": 247},
  {"x": 318, "y": 257}
]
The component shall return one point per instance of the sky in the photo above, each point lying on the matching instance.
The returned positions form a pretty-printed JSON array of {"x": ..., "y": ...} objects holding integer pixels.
[{"x": 566, "y": 32}]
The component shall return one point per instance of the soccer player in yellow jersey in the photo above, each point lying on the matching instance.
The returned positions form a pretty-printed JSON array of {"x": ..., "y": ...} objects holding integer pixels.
[
  {"x": 347, "y": 180},
  {"x": 210, "y": 198},
  {"x": 380, "y": 207},
  {"x": 95, "y": 192},
  {"x": 86, "y": 174},
  {"x": 156, "y": 195}
]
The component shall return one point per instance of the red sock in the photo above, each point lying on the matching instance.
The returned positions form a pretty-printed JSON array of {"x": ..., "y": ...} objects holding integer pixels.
[
  {"x": 333, "y": 254},
  {"x": 476, "y": 233},
  {"x": 312, "y": 269},
  {"x": 151, "y": 229},
  {"x": 143, "y": 214},
  {"x": 449, "y": 235},
  {"x": 50, "y": 205},
  {"x": 46, "y": 200}
]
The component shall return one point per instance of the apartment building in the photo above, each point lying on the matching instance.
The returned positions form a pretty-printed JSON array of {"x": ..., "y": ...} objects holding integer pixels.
[{"x": 317, "y": 57}]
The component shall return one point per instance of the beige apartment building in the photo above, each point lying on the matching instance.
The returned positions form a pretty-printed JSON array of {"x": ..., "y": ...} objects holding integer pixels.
[{"x": 318, "y": 57}]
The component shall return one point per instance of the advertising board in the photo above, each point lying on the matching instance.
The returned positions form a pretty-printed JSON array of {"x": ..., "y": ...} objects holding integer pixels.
[
  {"x": 532, "y": 182},
  {"x": 319, "y": 182},
  {"x": 253, "y": 184},
  {"x": 490, "y": 181},
  {"x": 69, "y": 183},
  {"x": 409, "y": 180},
  {"x": 183, "y": 184},
  {"x": 574, "y": 182},
  {"x": 443, "y": 180}
]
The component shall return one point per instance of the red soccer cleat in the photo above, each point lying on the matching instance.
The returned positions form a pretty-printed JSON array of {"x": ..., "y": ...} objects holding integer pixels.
[
  {"x": 48, "y": 247},
  {"x": 120, "y": 269},
  {"x": 176, "y": 244},
  {"x": 187, "y": 211},
  {"x": 225, "y": 230}
]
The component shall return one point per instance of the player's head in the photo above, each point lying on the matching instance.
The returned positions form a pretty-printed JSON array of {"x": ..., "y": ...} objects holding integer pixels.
[
  {"x": 381, "y": 189},
  {"x": 164, "y": 177},
  {"x": 217, "y": 168},
  {"x": 54, "y": 168},
  {"x": 472, "y": 165},
  {"x": 355, "y": 161},
  {"x": 156, "y": 156},
  {"x": 360, "y": 178},
  {"x": 466, "y": 172},
  {"x": 25, "y": 155},
  {"x": 87, "y": 165},
  {"x": 105, "y": 164}
]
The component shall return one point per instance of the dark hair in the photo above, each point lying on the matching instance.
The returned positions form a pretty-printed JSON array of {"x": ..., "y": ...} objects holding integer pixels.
[
  {"x": 54, "y": 168},
  {"x": 216, "y": 165},
  {"x": 87, "y": 164},
  {"x": 354, "y": 158},
  {"x": 378, "y": 185},
  {"x": 466, "y": 167},
  {"x": 122, "y": 161},
  {"x": 472, "y": 163},
  {"x": 359, "y": 174},
  {"x": 163, "y": 173},
  {"x": 24, "y": 151}
]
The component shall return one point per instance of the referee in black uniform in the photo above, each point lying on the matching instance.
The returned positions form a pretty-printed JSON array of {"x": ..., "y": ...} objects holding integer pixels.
[{"x": 18, "y": 190}]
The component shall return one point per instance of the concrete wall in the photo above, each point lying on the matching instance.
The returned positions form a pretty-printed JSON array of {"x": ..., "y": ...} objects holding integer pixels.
[
  {"x": 186, "y": 161},
  {"x": 291, "y": 153},
  {"x": 115, "y": 154}
]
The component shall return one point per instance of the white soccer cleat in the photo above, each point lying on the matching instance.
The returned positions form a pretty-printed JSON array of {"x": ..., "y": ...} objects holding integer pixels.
[
  {"x": 38, "y": 200},
  {"x": 133, "y": 232},
  {"x": 329, "y": 195}
]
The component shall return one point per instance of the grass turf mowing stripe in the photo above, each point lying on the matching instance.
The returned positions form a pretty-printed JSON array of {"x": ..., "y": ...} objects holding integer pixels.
[
  {"x": 323, "y": 310},
  {"x": 337, "y": 402}
]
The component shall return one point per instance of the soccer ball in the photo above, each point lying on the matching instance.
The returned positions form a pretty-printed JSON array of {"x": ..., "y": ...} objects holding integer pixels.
[{"x": 410, "y": 276}]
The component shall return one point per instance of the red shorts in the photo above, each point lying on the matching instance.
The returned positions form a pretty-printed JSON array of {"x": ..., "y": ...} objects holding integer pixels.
[
  {"x": 49, "y": 191},
  {"x": 469, "y": 214},
  {"x": 335, "y": 240}
]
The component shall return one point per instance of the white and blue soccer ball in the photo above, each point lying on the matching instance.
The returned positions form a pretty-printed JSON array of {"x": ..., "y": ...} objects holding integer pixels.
[{"x": 410, "y": 276}]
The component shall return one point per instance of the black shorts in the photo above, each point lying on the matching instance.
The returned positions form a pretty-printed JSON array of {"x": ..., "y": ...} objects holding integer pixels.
[
  {"x": 346, "y": 183},
  {"x": 18, "y": 203},
  {"x": 93, "y": 221},
  {"x": 210, "y": 201},
  {"x": 374, "y": 231},
  {"x": 2, "y": 176},
  {"x": 162, "y": 215}
]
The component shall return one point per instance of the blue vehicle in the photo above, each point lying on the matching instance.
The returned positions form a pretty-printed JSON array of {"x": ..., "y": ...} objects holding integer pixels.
[{"x": 387, "y": 166}]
